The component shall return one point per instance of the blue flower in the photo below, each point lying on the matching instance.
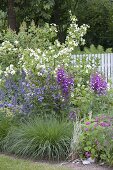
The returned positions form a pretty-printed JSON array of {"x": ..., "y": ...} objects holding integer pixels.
[{"x": 40, "y": 98}]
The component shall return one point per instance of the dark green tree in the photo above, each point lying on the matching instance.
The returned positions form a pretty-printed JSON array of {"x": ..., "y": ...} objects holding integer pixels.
[{"x": 98, "y": 14}]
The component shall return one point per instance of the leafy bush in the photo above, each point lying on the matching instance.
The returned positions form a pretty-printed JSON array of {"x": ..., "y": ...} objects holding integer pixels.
[
  {"x": 82, "y": 95},
  {"x": 102, "y": 104},
  {"x": 40, "y": 138},
  {"x": 8, "y": 55},
  {"x": 93, "y": 50},
  {"x": 32, "y": 36},
  {"x": 3, "y": 22},
  {"x": 92, "y": 95},
  {"x": 96, "y": 139},
  {"x": 40, "y": 66}
]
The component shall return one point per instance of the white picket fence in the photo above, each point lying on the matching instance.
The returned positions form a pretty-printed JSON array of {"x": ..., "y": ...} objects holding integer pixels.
[{"x": 106, "y": 63}]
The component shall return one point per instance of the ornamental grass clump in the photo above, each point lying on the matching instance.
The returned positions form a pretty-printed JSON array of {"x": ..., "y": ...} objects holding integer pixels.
[
  {"x": 98, "y": 84},
  {"x": 39, "y": 138}
]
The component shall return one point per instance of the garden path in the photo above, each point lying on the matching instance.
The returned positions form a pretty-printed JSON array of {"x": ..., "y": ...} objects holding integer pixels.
[
  {"x": 69, "y": 166},
  {"x": 87, "y": 167}
]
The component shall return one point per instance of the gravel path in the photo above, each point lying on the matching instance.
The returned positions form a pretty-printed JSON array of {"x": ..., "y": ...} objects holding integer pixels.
[{"x": 87, "y": 167}]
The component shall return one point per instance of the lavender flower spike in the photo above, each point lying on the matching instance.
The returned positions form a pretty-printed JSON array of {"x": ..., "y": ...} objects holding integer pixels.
[{"x": 98, "y": 84}]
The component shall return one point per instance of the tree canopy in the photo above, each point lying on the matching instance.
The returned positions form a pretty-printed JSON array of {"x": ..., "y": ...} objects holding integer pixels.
[{"x": 97, "y": 14}]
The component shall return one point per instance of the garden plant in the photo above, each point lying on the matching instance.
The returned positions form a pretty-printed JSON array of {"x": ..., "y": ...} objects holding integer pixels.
[{"x": 49, "y": 100}]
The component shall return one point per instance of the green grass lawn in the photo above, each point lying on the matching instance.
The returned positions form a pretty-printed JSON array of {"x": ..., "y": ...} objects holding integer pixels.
[{"x": 9, "y": 163}]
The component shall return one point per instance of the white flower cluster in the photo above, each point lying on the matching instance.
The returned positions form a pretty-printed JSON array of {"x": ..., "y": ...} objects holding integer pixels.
[
  {"x": 76, "y": 33},
  {"x": 5, "y": 46},
  {"x": 9, "y": 70},
  {"x": 40, "y": 60}
]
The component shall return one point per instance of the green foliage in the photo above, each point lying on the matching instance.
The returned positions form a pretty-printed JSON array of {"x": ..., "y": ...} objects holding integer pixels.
[
  {"x": 8, "y": 54},
  {"x": 40, "y": 138},
  {"x": 51, "y": 11},
  {"x": 93, "y": 50},
  {"x": 43, "y": 60},
  {"x": 102, "y": 104},
  {"x": 34, "y": 49},
  {"x": 98, "y": 15},
  {"x": 36, "y": 10},
  {"x": 32, "y": 36},
  {"x": 84, "y": 100},
  {"x": 6, "y": 121},
  {"x": 2, "y": 20},
  {"x": 3, "y": 23},
  {"x": 82, "y": 96},
  {"x": 96, "y": 139},
  {"x": 100, "y": 19}
]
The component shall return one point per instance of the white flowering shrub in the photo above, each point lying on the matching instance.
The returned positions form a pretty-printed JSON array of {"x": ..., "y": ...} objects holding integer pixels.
[
  {"x": 32, "y": 36},
  {"x": 41, "y": 62},
  {"x": 9, "y": 54},
  {"x": 48, "y": 54}
]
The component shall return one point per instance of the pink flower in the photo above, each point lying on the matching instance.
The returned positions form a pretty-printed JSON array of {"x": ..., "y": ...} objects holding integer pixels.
[
  {"x": 104, "y": 124},
  {"x": 87, "y": 154},
  {"x": 96, "y": 119},
  {"x": 88, "y": 123}
]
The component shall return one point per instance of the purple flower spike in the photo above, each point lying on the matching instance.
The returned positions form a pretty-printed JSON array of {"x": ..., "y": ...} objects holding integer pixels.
[
  {"x": 98, "y": 84},
  {"x": 65, "y": 82},
  {"x": 60, "y": 75}
]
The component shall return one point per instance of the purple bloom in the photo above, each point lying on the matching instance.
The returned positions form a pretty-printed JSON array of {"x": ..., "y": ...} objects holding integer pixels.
[
  {"x": 14, "y": 100},
  {"x": 60, "y": 75},
  {"x": 1, "y": 105},
  {"x": 86, "y": 129},
  {"x": 72, "y": 115},
  {"x": 96, "y": 119},
  {"x": 98, "y": 84},
  {"x": 104, "y": 124},
  {"x": 9, "y": 105},
  {"x": 87, "y": 154},
  {"x": 2, "y": 95},
  {"x": 95, "y": 125},
  {"x": 88, "y": 123},
  {"x": 65, "y": 82},
  {"x": 40, "y": 98}
]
